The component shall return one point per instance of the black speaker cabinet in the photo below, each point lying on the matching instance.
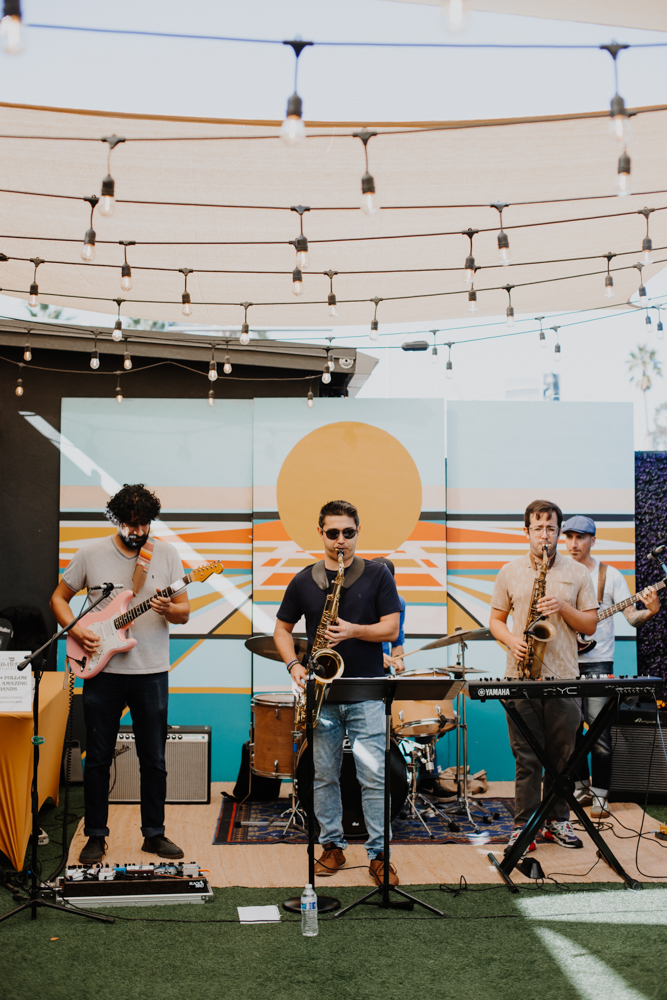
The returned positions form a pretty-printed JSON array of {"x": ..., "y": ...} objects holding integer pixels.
[
  {"x": 638, "y": 762},
  {"x": 188, "y": 762}
]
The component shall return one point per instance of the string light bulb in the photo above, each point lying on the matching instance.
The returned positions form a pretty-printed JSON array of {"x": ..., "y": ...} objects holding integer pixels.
[
  {"x": 449, "y": 368},
  {"x": 331, "y": 364},
  {"x": 185, "y": 297},
  {"x": 375, "y": 329},
  {"x": 88, "y": 248},
  {"x": 543, "y": 336},
  {"x": 126, "y": 270},
  {"x": 326, "y": 375},
  {"x": 310, "y": 399},
  {"x": 456, "y": 14},
  {"x": 33, "y": 297},
  {"x": 509, "y": 312},
  {"x": 469, "y": 266},
  {"x": 300, "y": 244},
  {"x": 642, "y": 288},
  {"x": 504, "y": 254},
  {"x": 226, "y": 362},
  {"x": 127, "y": 360},
  {"x": 212, "y": 366},
  {"x": 12, "y": 30},
  {"x": 211, "y": 397},
  {"x": 647, "y": 245},
  {"x": 292, "y": 130},
  {"x": 557, "y": 355},
  {"x": 472, "y": 301},
  {"x": 609, "y": 281},
  {"x": 369, "y": 200},
  {"x": 18, "y": 391},
  {"x": 331, "y": 299},
  {"x": 623, "y": 183},
  {"x": 27, "y": 350},
  {"x": 297, "y": 282},
  {"x": 434, "y": 349},
  {"x": 659, "y": 327},
  {"x": 648, "y": 318},
  {"x": 108, "y": 193},
  {"x": 245, "y": 329},
  {"x": 117, "y": 332},
  {"x": 95, "y": 356},
  {"x": 119, "y": 393}
]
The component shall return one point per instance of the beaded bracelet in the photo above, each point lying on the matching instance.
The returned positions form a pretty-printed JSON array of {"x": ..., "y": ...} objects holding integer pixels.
[{"x": 291, "y": 664}]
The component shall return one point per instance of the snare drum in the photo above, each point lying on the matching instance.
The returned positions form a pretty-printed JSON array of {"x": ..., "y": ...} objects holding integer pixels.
[
  {"x": 271, "y": 740},
  {"x": 423, "y": 718}
]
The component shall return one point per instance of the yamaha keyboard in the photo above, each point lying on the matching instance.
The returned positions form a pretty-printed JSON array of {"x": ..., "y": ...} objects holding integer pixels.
[{"x": 603, "y": 686}]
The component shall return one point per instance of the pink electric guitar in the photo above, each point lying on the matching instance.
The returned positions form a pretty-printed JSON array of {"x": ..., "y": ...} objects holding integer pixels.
[{"x": 112, "y": 623}]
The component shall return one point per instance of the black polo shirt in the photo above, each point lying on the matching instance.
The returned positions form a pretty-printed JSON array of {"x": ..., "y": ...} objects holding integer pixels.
[{"x": 370, "y": 598}]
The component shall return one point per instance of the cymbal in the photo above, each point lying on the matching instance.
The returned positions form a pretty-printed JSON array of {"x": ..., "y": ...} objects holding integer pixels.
[
  {"x": 263, "y": 645},
  {"x": 459, "y": 636}
]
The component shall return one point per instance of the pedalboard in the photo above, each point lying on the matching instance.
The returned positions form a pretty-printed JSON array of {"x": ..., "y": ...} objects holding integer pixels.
[{"x": 134, "y": 884}]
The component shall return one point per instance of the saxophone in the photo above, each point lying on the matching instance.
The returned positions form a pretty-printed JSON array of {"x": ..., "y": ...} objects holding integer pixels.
[
  {"x": 327, "y": 663},
  {"x": 538, "y": 632}
]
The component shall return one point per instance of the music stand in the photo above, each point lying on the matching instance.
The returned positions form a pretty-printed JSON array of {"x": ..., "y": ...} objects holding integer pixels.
[
  {"x": 563, "y": 785},
  {"x": 385, "y": 689},
  {"x": 34, "y": 899}
]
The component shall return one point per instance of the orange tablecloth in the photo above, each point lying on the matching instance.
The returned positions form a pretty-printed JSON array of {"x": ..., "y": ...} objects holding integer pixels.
[{"x": 16, "y": 764}]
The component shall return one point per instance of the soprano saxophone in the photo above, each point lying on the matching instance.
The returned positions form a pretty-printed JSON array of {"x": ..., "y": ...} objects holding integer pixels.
[
  {"x": 326, "y": 662},
  {"x": 538, "y": 632}
]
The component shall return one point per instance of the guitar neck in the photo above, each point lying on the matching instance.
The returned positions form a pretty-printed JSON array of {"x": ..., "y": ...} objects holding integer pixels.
[
  {"x": 622, "y": 605},
  {"x": 126, "y": 619}
]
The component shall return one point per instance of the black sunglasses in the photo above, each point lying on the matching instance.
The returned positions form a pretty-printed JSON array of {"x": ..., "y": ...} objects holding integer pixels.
[{"x": 333, "y": 533}]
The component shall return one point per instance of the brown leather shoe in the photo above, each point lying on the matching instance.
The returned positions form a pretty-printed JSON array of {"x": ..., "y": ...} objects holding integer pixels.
[
  {"x": 377, "y": 871},
  {"x": 330, "y": 860}
]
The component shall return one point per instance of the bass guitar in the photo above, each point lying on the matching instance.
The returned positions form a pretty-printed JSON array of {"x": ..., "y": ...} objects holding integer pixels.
[
  {"x": 584, "y": 644},
  {"x": 112, "y": 623}
]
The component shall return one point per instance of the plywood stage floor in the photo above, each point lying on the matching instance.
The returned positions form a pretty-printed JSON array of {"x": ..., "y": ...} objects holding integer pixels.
[{"x": 285, "y": 865}]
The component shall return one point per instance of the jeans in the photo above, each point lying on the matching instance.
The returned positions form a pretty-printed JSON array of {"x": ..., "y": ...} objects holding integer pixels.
[
  {"x": 554, "y": 722},
  {"x": 104, "y": 698},
  {"x": 601, "y": 752},
  {"x": 364, "y": 723}
]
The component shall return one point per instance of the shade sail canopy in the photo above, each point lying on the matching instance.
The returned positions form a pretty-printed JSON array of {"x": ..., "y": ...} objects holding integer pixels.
[
  {"x": 649, "y": 14},
  {"x": 411, "y": 256}
]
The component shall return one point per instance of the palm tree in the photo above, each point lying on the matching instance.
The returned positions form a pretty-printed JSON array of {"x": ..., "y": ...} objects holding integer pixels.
[{"x": 643, "y": 365}]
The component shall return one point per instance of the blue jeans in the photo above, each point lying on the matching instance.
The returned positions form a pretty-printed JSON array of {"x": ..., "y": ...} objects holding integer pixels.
[
  {"x": 601, "y": 752},
  {"x": 104, "y": 698},
  {"x": 364, "y": 723}
]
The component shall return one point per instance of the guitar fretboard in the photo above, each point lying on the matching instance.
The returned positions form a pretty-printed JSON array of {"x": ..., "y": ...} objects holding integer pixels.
[
  {"x": 608, "y": 612},
  {"x": 126, "y": 619}
]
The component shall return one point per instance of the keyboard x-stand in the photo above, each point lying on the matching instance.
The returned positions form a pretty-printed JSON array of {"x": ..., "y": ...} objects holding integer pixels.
[{"x": 614, "y": 689}]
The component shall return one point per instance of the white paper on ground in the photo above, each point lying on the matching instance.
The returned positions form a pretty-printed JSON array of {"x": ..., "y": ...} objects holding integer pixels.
[{"x": 258, "y": 914}]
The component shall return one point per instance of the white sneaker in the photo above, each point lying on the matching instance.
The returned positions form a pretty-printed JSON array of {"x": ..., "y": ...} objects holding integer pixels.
[
  {"x": 582, "y": 793},
  {"x": 599, "y": 809},
  {"x": 561, "y": 832},
  {"x": 513, "y": 839}
]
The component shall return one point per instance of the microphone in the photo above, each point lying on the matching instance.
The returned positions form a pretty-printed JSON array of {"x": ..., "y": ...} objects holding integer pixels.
[
  {"x": 108, "y": 587},
  {"x": 657, "y": 551}
]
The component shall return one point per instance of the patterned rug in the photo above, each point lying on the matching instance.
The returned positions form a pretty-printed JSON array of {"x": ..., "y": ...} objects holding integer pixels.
[{"x": 264, "y": 823}]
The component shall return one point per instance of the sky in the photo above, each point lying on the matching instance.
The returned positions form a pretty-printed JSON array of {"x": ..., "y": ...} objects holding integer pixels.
[{"x": 205, "y": 78}]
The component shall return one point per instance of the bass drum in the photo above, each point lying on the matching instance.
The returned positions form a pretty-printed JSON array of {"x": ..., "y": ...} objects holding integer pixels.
[{"x": 350, "y": 789}]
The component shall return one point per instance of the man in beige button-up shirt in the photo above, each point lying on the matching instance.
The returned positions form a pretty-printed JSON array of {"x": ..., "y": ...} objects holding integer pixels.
[{"x": 571, "y": 605}]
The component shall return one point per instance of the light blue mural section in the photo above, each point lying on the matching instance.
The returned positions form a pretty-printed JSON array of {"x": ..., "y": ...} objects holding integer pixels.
[{"x": 209, "y": 663}]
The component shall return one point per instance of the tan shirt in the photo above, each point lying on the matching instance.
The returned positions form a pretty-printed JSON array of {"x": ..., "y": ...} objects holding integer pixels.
[{"x": 567, "y": 580}]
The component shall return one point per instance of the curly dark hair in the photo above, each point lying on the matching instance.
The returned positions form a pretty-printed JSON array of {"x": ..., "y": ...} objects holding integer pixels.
[
  {"x": 134, "y": 504},
  {"x": 339, "y": 508}
]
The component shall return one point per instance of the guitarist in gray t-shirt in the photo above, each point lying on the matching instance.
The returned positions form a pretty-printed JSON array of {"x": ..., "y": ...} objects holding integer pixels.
[{"x": 137, "y": 678}]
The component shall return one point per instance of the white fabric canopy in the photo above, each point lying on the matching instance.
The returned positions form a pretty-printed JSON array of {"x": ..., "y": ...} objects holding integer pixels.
[{"x": 456, "y": 165}]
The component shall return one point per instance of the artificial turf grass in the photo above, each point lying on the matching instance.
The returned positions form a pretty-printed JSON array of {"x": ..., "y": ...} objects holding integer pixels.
[{"x": 488, "y": 949}]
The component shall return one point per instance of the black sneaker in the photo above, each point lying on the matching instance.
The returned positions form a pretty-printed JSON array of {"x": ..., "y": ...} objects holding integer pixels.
[
  {"x": 94, "y": 850},
  {"x": 163, "y": 847}
]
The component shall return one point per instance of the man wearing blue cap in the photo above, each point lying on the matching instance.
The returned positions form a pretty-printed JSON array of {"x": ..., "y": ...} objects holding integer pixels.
[{"x": 611, "y": 588}]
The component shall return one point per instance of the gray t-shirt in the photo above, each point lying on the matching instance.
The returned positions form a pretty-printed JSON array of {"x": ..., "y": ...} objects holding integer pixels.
[{"x": 100, "y": 561}]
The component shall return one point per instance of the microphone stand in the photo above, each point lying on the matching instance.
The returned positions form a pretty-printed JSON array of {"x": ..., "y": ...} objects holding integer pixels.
[{"x": 34, "y": 900}]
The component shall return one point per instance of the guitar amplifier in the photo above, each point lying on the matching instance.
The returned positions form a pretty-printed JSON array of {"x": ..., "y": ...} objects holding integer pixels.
[
  {"x": 187, "y": 759},
  {"x": 638, "y": 757}
]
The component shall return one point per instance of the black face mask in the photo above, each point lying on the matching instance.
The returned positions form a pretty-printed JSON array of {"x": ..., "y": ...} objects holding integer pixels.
[{"x": 133, "y": 541}]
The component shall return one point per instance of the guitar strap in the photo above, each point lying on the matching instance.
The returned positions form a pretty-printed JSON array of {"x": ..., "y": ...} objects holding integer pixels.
[
  {"x": 602, "y": 577},
  {"x": 141, "y": 568}
]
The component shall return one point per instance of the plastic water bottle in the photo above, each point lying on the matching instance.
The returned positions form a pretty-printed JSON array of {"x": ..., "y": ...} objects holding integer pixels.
[{"x": 309, "y": 912}]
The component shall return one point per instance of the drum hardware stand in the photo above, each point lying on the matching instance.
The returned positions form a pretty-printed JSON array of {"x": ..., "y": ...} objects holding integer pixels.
[
  {"x": 35, "y": 901},
  {"x": 324, "y": 903},
  {"x": 415, "y": 797},
  {"x": 562, "y": 785},
  {"x": 296, "y": 817},
  {"x": 462, "y": 804},
  {"x": 408, "y": 901}
]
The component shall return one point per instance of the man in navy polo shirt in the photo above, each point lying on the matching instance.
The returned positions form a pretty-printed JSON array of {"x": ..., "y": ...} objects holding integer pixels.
[{"x": 369, "y": 614}]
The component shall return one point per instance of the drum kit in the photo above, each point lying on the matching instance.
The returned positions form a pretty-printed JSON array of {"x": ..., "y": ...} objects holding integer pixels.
[{"x": 277, "y": 745}]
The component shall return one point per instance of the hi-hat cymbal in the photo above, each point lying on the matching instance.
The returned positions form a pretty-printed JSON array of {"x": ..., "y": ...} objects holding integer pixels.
[
  {"x": 459, "y": 636},
  {"x": 263, "y": 645}
]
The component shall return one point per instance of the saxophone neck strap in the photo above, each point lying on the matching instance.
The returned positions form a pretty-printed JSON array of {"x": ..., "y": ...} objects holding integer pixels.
[{"x": 352, "y": 573}]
